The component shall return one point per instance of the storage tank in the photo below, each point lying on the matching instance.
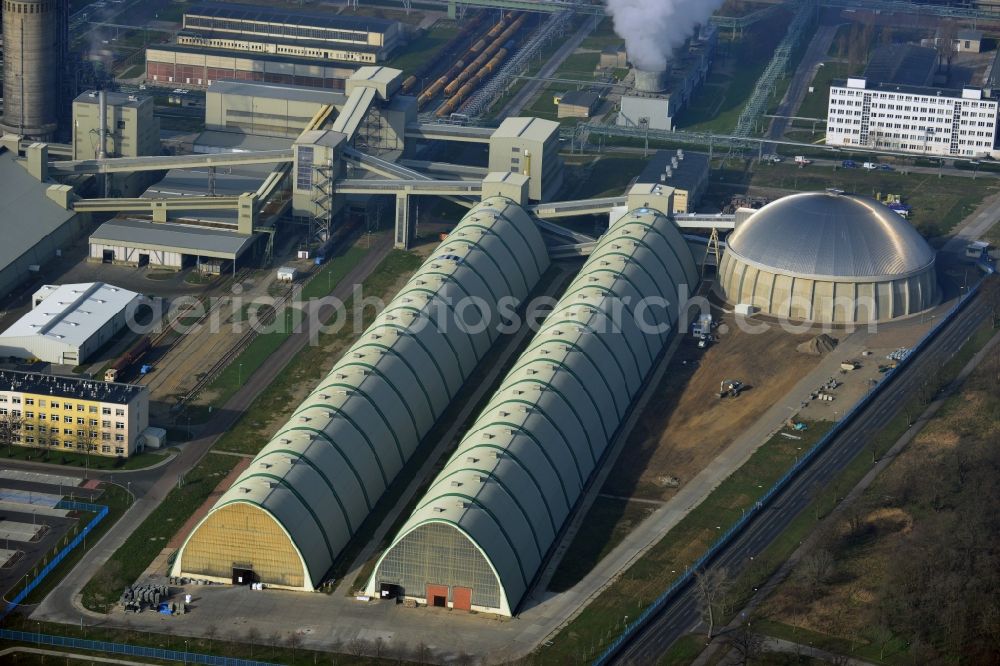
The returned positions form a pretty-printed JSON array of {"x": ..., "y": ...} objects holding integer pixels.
[
  {"x": 34, "y": 44},
  {"x": 650, "y": 81}
]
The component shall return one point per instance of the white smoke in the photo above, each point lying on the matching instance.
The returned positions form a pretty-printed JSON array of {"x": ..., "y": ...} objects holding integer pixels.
[{"x": 652, "y": 29}]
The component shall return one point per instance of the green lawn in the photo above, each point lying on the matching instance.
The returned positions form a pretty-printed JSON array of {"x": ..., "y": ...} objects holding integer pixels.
[
  {"x": 146, "y": 542},
  {"x": 815, "y": 103},
  {"x": 331, "y": 273},
  {"x": 646, "y": 579},
  {"x": 423, "y": 48},
  {"x": 938, "y": 203},
  {"x": 82, "y": 460},
  {"x": 608, "y": 522}
]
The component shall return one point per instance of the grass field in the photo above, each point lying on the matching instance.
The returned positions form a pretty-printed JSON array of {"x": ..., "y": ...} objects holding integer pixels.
[
  {"x": 82, "y": 460},
  {"x": 639, "y": 585},
  {"x": 608, "y": 522},
  {"x": 815, "y": 103},
  {"x": 938, "y": 203},
  {"x": 149, "y": 538},
  {"x": 423, "y": 48}
]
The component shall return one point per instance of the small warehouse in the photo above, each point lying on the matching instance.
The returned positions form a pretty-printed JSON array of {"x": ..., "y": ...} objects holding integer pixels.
[
  {"x": 578, "y": 104},
  {"x": 69, "y": 322}
]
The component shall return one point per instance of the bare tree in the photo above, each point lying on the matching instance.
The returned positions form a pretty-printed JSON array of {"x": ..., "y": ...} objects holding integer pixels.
[
  {"x": 294, "y": 641},
  {"x": 10, "y": 430},
  {"x": 211, "y": 631},
  {"x": 818, "y": 567},
  {"x": 252, "y": 637},
  {"x": 745, "y": 643},
  {"x": 882, "y": 635},
  {"x": 713, "y": 586},
  {"x": 357, "y": 647}
]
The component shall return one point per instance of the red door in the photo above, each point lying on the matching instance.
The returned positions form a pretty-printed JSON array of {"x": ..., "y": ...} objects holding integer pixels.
[
  {"x": 437, "y": 596},
  {"x": 461, "y": 598}
]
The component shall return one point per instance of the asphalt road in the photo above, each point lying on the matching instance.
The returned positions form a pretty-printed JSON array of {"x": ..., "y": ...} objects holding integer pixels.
[{"x": 682, "y": 614}]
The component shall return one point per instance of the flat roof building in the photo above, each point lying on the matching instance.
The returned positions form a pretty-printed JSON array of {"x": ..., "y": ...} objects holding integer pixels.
[
  {"x": 73, "y": 414},
  {"x": 686, "y": 172},
  {"x": 69, "y": 322},
  {"x": 912, "y": 119},
  {"x": 529, "y": 146},
  {"x": 283, "y": 32},
  {"x": 179, "y": 65},
  {"x": 577, "y": 104}
]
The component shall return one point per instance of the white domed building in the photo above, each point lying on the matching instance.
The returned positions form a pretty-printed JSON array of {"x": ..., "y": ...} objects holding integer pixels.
[{"x": 829, "y": 257}]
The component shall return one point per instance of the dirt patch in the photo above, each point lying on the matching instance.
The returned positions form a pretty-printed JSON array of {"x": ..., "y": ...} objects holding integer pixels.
[{"x": 687, "y": 425}]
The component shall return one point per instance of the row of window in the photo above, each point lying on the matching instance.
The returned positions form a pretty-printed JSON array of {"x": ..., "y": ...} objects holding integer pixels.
[
  {"x": 69, "y": 444},
  {"x": 55, "y": 404},
  {"x": 281, "y": 30},
  {"x": 42, "y": 416},
  {"x": 93, "y": 434},
  {"x": 912, "y": 99}
]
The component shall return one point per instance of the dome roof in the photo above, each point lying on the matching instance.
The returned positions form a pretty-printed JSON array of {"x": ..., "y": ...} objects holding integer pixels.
[{"x": 826, "y": 235}]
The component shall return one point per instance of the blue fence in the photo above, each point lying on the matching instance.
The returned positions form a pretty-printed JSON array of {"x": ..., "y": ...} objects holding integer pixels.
[
  {"x": 758, "y": 506},
  {"x": 99, "y": 510},
  {"x": 126, "y": 649}
]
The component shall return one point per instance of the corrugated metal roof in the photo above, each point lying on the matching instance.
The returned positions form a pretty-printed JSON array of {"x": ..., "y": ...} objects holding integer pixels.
[
  {"x": 819, "y": 234},
  {"x": 71, "y": 313},
  {"x": 325, "y": 469},
  {"x": 534, "y": 129},
  {"x": 27, "y": 215},
  {"x": 172, "y": 237},
  {"x": 522, "y": 466}
]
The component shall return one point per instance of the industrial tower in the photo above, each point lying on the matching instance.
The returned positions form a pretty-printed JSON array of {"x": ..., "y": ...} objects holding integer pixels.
[{"x": 35, "y": 50}]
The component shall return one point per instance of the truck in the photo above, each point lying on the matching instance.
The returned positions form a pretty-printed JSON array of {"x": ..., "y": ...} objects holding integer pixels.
[
  {"x": 870, "y": 166},
  {"x": 802, "y": 161},
  {"x": 731, "y": 388}
]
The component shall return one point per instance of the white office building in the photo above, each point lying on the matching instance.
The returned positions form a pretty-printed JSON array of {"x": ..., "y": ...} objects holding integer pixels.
[{"x": 931, "y": 121}]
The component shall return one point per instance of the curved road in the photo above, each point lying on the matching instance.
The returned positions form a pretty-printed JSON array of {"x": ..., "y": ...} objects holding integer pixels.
[{"x": 682, "y": 614}]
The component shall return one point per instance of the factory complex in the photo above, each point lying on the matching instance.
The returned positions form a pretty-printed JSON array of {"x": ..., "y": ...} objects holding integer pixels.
[{"x": 440, "y": 371}]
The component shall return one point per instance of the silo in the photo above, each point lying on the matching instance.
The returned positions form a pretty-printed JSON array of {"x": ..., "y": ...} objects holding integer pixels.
[{"x": 34, "y": 44}]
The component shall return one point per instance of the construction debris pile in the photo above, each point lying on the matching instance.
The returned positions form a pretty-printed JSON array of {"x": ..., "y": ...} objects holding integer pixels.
[{"x": 136, "y": 598}]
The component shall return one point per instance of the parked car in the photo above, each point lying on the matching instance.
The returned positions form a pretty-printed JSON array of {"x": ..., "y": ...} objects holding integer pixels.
[
  {"x": 885, "y": 167},
  {"x": 849, "y": 164},
  {"x": 772, "y": 158},
  {"x": 870, "y": 166}
]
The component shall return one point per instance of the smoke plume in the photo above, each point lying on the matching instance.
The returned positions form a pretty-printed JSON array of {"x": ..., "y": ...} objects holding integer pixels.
[{"x": 652, "y": 29}]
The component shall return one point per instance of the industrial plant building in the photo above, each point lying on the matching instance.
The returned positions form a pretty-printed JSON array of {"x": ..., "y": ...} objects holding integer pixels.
[
  {"x": 279, "y": 31},
  {"x": 658, "y": 96},
  {"x": 479, "y": 536},
  {"x": 286, "y": 518},
  {"x": 827, "y": 257},
  {"x": 73, "y": 414},
  {"x": 130, "y": 130},
  {"x": 529, "y": 146},
  {"x": 685, "y": 172},
  {"x": 69, "y": 322},
  {"x": 274, "y": 110},
  {"x": 259, "y": 43},
  {"x": 38, "y": 227}
]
